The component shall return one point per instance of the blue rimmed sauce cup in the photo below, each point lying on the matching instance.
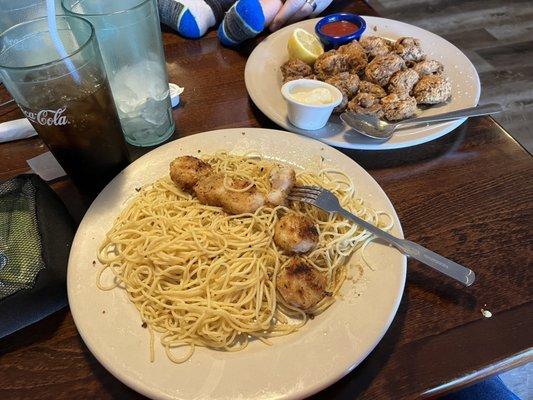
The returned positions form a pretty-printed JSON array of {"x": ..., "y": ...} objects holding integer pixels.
[{"x": 337, "y": 29}]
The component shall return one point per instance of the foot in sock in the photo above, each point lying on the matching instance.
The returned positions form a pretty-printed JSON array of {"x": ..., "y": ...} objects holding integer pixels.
[
  {"x": 246, "y": 19},
  {"x": 192, "y": 18}
]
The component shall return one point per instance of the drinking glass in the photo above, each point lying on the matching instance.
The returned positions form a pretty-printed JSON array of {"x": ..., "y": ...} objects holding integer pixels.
[
  {"x": 66, "y": 97},
  {"x": 129, "y": 36},
  {"x": 13, "y": 12}
]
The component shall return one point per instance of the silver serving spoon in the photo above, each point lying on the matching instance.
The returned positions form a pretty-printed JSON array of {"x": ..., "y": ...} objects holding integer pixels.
[{"x": 375, "y": 128}]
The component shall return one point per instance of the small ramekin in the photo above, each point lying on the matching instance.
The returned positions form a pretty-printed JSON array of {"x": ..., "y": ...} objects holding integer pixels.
[
  {"x": 336, "y": 41},
  {"x": 309, "y": 116}
]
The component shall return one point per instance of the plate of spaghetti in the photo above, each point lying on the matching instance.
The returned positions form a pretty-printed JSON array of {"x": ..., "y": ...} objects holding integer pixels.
[{"x": 192, "y": 276}]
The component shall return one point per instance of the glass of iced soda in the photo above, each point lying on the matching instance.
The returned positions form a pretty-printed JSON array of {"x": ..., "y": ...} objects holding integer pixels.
[{"x": 66, "y": 96}]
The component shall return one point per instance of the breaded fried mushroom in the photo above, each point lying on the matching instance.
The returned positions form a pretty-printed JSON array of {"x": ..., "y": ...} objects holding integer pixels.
[
  {"x": 409, "y": 49},
  {"x": 295, "y": 69},
  {"x": 295, "y": 233},
  {"x": 301, "y": 285},
  {"x": 397, "y": 107},
  {"x": 372, "y": 88},
  {"x": 330, "y": 63},
  {"x": 375, "y": 46},
  {"x": 428, "y": 67},
  {"x": 381, "y": 68},
  {"x": 347, "y": 83},
  {"x": 432, "y": 89},
  {"x": 403, "y": 81},
  {"x": 367, "y": 104},
  {"x": 356, "y": 57}
]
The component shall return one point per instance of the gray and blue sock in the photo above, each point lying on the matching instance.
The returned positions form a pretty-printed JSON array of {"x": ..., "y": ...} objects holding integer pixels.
[
  {"x": 192, "y": 18},
  {"x": 243, "y": 21}
]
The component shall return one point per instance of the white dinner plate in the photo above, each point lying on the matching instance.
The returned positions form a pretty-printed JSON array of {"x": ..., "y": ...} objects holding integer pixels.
[
  {"x": 263, "y": 82},
  {"x": 295, "y": 366}
]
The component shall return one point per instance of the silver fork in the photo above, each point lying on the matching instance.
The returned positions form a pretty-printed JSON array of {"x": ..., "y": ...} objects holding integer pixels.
[{"x": 327, "y": 201}]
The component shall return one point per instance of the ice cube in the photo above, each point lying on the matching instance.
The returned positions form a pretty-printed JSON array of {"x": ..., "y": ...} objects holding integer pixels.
[
  {"x": 134, "y": 85},
  {"x": 154, "y": 112}
]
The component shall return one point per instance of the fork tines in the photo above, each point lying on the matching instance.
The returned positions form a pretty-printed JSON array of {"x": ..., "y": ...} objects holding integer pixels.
[{"x": 303, "y": 193}]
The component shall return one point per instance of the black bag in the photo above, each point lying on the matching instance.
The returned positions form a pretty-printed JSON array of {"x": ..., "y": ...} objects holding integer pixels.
[{"x": 36, "y": 233}]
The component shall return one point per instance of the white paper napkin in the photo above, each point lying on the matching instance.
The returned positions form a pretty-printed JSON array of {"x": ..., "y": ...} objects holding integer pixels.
[
  {"x": 15, "y": 130},
  {"x": 46, "y": 166}
]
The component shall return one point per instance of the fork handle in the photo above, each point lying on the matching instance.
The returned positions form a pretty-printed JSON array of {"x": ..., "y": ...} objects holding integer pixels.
[{"x": 448, "y": 267}]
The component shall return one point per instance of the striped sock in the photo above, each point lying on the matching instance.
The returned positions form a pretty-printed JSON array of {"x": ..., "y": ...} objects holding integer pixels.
[
  {"x": 244, "y": 20},
  {"x": 192, "y": 18}
]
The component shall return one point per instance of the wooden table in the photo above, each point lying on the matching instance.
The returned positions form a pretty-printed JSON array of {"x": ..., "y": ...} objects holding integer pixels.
[{"x": 468, "y": 196}]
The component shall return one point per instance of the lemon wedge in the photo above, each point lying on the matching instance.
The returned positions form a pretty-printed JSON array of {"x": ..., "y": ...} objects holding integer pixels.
[{"x": 304, "y": 46}]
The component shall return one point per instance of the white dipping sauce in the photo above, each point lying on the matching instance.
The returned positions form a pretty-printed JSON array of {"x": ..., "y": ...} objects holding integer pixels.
[{"x": 317, "y": 96}]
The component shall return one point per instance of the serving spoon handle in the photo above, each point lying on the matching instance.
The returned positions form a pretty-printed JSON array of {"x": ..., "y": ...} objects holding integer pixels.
[{"x": 491, "y": 108}]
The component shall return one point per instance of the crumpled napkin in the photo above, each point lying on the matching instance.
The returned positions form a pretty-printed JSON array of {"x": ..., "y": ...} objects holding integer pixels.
[{"x": 16, "y": 130}]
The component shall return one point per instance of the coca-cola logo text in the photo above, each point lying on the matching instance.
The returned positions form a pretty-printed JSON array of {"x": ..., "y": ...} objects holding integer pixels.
[{"x": 47, "y": 117}]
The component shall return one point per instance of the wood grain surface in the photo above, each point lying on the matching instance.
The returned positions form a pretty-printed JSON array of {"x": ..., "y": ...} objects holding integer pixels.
[{"x": 468, "y": 196}]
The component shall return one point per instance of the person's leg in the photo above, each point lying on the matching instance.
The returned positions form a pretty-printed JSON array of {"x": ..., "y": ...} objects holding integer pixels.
[
  {"x": 246, "y": 19},
  {"x": 192, "y": 18},
  {"x": 490, "y": 389}
]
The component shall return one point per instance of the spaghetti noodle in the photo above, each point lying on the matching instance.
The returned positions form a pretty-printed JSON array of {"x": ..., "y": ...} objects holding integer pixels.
[{"x": 201, "y": 277}]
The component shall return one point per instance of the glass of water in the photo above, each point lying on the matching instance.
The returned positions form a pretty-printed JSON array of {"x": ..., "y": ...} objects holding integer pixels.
[{"x": 129, "y": 36}]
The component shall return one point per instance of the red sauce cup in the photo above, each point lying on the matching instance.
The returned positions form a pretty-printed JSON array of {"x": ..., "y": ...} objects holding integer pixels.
[{"x": 337, "y": 29}]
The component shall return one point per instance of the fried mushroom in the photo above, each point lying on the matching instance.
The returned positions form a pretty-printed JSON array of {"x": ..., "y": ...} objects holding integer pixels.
[
  {"x": 403, "y": 81},
  {"x": 330, "y": 63},
  {"x": 432, "y": 89},
  {"x": 366, "y": 103},
  {"x": 428, "y": 67},
  {"x": 397, "y": 107},
  {"x": 409, "y": 49},
  {"x": 347, "y": 83},
  {"x": 375, "y": 46},
  {"x": 355, "y": 56},
  {"x": 295, "y": 69},
  {"x": 381, "y": 68},
  {"x": 372, "y": 88}
]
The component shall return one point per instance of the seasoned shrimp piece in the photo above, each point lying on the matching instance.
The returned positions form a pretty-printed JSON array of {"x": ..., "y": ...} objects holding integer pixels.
[
  {"x": 196, "y": 176},
  {"x": 186, "y": 171},
  {"x": 372, "y": 88},
  {"x": 428, "y": 67},
  {"x": 375, "y": 46},
  {"x": 366, "y": 103},
  {"x": 347, "y": 83},
  {"x": 403, "y": 81},
  {"x": 355, "y": 56},
  {"x": 295, "y": 233},
  {"x": 409, "y": 49},
  {"x": 331, "y": 63},
  {"x": 282, "y": 180},
  {"x": 212, "y": 191},
  {"x": 381, "y": 68},
  {"x": 295, "y": 69},
  {"x": 398, "y": 106},
  {"x": 432, "y": 89},
  {"x": 301, "y": 285}
]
